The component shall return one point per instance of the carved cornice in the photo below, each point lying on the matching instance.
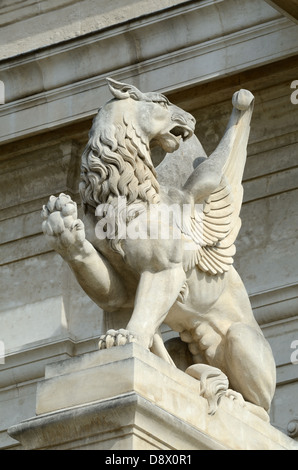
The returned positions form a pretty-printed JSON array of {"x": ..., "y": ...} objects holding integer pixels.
[
  {"x": 288, "y": 8},
  {"x": 65, "y": 83},
  {"x": 28, "y": 364},
  {"x": 49, "y": 22},
  {"x": 276, "y": 304}
]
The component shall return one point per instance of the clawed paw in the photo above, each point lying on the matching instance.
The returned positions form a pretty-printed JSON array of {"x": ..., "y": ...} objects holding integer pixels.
[
  {"x": 61, "y": 226},
  {"x": 235, "y": 396},
  {"x": 116, "y": 338}
]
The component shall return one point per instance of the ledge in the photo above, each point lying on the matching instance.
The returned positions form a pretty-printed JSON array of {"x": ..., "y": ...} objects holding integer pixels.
[
  {"x": 65, "y": 83},
  {"x": 288, "y": 8},
  {"x": 128, "y": 398}
]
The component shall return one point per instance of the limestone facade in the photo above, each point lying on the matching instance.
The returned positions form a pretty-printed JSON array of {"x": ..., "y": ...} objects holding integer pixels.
[{"x": 54, "y": 60}]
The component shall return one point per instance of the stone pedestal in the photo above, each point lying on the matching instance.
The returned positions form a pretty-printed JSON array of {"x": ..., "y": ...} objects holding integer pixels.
[{"x": 126, "y": 398}]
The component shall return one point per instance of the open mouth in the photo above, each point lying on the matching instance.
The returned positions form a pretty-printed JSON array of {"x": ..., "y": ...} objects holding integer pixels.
[{"x": 182, "y": 132}]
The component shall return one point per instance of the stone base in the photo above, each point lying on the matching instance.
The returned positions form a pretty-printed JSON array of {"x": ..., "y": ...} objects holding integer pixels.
[{"x": 126, "y": 398}]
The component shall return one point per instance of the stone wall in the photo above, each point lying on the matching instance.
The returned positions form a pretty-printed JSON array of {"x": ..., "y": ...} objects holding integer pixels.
[{"x": 198, "y": 53}]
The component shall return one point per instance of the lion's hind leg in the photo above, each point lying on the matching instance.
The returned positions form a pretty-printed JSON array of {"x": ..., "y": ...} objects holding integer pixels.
[
  {"x": 241, "y": 356},
  {"x": 249, "y": 364}
]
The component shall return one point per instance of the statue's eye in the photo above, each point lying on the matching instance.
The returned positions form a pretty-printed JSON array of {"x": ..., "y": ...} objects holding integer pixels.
[{"x": 163, "y": 104}]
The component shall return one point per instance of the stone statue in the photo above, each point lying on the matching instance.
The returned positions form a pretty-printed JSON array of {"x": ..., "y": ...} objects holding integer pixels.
[{"x": 160, "y": 241}]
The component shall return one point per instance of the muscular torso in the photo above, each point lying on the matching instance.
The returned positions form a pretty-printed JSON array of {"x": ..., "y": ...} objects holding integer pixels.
[{"x": 201, "y": 291}]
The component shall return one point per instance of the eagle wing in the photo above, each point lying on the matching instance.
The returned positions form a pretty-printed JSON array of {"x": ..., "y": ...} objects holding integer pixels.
[{"x": 211, "y": 229}]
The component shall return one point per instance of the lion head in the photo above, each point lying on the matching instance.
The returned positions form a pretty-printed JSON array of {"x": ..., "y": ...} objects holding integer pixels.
[{"x": 116, "y": 161}]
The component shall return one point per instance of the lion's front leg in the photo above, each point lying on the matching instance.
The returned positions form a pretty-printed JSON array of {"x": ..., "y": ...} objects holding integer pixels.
[
  {"x": 156, "y": 293},
  {"x": 63, "y": 230},
  {"x": 66, "y": 235}
]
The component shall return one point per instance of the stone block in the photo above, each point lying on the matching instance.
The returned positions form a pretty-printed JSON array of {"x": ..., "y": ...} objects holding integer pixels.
[{"x": 126, "y": 398}]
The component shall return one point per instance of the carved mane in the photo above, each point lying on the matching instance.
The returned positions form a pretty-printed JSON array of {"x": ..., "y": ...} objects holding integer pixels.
[{"x": 116, "y": 162}]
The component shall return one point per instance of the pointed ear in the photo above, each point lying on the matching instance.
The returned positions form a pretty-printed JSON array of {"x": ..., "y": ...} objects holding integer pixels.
[{"x": 123, "y": 90}]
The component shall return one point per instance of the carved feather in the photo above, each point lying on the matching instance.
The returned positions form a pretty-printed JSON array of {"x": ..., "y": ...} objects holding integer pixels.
[{"x": 215, "y": 229}]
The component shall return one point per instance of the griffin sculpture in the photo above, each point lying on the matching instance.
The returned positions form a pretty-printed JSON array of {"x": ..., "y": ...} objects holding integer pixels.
[{"x": 186, "y": 281}]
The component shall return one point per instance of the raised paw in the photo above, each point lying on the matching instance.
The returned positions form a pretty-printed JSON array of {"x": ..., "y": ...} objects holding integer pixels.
[
  {"x": 116, "y": 338},
  {"x": 64, "y": 231}
]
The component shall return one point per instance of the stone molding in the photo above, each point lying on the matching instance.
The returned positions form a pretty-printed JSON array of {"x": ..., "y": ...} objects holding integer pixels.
[
  {"x": 288, "y": 8},
  {"x": 131, "y": 399},
  {"x": 275, "y": 304},
  {"x": 61, "y": 94},
  {"x": 135, "y": 422},
  {"x": 47, "y": 22}
]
